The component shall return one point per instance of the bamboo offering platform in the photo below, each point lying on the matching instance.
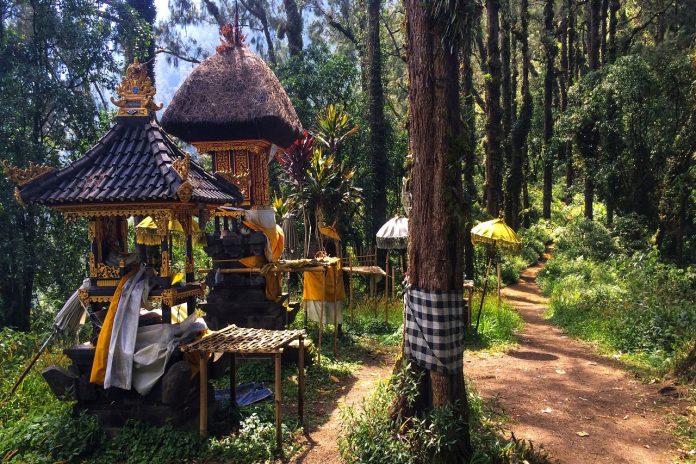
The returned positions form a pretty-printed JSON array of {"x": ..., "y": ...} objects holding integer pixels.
[{"x": 245, "y": 342}]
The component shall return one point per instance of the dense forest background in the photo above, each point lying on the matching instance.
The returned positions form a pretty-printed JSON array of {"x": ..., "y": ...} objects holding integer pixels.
[{"x": 564, "y": 99}]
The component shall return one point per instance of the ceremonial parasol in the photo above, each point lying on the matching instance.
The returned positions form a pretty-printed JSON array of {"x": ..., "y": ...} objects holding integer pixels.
[
  {"x": 500, "y": 237},
  {"x": 393, "y": 235}
]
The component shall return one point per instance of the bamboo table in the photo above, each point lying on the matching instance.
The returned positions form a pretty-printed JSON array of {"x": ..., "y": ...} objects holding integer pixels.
[
  {"x": 245, "y": 342},
  {"x": 301, "y": 266}
]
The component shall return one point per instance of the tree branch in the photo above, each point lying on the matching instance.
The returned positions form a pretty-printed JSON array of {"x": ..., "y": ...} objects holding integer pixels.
[{"x": 177, "y": 55}]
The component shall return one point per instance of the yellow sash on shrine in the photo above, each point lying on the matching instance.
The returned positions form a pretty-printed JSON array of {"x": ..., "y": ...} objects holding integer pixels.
[{"x": 101, "y": 354}]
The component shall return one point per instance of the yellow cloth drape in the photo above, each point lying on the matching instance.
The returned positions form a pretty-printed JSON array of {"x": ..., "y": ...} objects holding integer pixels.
[
  {"x": 314, "y": 287},
  {"x": 276, "y": 240},
  {"x": 101, "y": 354}
]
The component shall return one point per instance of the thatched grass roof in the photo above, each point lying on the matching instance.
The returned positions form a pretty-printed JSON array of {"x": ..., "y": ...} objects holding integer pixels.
[{"x": 232, "y": 95}]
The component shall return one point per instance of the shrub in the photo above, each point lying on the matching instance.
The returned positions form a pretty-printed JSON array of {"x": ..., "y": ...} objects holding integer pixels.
[
  {"x": 586, "y": 238},
  {"x": 633, "y": 304}
]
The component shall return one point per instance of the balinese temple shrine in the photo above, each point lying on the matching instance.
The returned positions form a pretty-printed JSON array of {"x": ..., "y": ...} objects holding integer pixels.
[{"x": 233, "y": 109}]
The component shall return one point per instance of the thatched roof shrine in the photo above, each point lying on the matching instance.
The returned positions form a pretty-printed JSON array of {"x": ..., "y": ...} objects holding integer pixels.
[{"x": 232, "y": 95}]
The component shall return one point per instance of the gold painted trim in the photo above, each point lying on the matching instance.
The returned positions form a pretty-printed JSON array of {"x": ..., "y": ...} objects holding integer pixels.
[{"x": 255, "y": 146}]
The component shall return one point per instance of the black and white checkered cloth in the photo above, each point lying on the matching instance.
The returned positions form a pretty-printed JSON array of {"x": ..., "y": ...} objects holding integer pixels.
[{"x": 435, "y": 325}]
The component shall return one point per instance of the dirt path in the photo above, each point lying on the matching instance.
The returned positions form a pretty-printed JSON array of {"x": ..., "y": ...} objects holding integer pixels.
[
  {"x": 553, "y": 387},
  {"x": 321, "y": 442}
]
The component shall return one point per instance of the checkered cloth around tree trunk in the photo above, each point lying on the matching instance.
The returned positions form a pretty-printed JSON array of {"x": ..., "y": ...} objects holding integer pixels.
[{"x": 435, "y": 325}]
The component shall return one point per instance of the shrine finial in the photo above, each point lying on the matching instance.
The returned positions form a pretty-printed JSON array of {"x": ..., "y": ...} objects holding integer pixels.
[{"x": 136, "y": 92}]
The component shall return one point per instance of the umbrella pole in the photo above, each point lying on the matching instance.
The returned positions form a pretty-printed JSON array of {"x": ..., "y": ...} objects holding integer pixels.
[
  {"x": 483, "y": 295},
  {"x": 31, "y": 364},
  {"x": 386, "y": 288},
  {"x": 498, "y": 265}
]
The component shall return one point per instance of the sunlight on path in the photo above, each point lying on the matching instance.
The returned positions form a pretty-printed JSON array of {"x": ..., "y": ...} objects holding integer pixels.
[{"x": 558, "y": 392}]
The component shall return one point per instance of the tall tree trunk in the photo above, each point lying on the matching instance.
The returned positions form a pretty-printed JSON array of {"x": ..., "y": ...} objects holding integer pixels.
[
  {"x": 506, "y": 83},
  {"x": 293, "y": 27},
  {"x": 257, "y": 9},
  {"x": 604, "y": 10},
  {"x": 550, "y": 49},
  {"x": 378, "y": 155},
  {"x": 435, "y": 227},
  {"x": 593, "y": 42},
  {"x": 469, "y": 154},
  {"x": 521, "y": 128},
  {"x": 572, "y": 59},
  {"x": 593, "y": 60},
  {"x": 494, "y": 155},
  {"x": 589, "y": 194},
  {"x": 613, "y": 11},
  {"x": 570, "y": 78}
]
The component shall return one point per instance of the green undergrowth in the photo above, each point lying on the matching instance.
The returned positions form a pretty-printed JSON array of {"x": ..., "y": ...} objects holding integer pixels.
[
  {"x": 36, "y": 427},
  {"x": 608, "y": 286},
  {"x": 498, "y": 326},
  {"x": 369, "y": 433}
]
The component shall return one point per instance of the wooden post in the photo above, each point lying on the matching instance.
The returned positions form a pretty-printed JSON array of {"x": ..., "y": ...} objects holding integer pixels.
[
  {"x": 386, "y": 278},
  {"x": 386, "y": 288},
  {"x": 300, "y": 381},
  {"x": 203, "y": 394},
  {"x": 278, "y": 412},
  {"x": 233, "y": 379},
  {"x": 321, "y": 316},
  {"x": 304, "y": 304},
  {"x": 393, "y": 286},
  {"x": 350, "y": 287},
  {"x": 335, "y": 309},
  {"x": 499, "y": 282}
]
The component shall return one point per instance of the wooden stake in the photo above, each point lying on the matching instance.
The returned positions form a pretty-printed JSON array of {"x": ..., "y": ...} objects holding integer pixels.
[
  {"x": 203, "y": 394},
  {"x": 350, "y": 287},
  {"x": 300, "y": 381},
  {"x": 483, "y": 295},
  {"x": 386, "y": 286},
  {"x": 278, "y": 412},
  {"x": 233, "y": 379},
  {"x": 321, "y": 316},
  {"x": 498, "y": 282},
  {"x": 335, "y": 309}
]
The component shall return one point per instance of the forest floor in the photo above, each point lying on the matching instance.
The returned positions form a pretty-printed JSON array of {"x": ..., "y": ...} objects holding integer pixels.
[
  {"x": 320, "y": 441},
  {"x": 558, "y": 392},
  {"x": 581, "y": 406}
]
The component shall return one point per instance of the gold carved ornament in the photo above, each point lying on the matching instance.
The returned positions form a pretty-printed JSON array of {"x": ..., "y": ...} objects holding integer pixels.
[
  {"x": 164, "y": 267},
  {"x": 101, "y": 270},
  {"x": 18, "y": 198},
  {"x": 136, "y": 92},
  {"x": 117, "y": 211},
  {"x": 22, "y": 176},
  {"x": 170, "y": 296},
  {"x": 182, "y": 167},
  {"x": 255, "y": 146},
  {"x": 189, "y": 265}
]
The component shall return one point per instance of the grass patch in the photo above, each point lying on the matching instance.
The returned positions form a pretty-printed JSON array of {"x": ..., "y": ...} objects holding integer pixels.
[{"x": 497, "y": 328}]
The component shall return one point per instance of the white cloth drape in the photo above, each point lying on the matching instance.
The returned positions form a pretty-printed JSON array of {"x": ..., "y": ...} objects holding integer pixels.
[{"x": 119, "y": 367}]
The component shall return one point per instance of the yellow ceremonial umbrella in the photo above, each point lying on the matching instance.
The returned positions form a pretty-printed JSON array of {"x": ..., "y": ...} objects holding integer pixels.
[
  {"x": 499, "y": 236},
  {"x": 146, "y": 231}
]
